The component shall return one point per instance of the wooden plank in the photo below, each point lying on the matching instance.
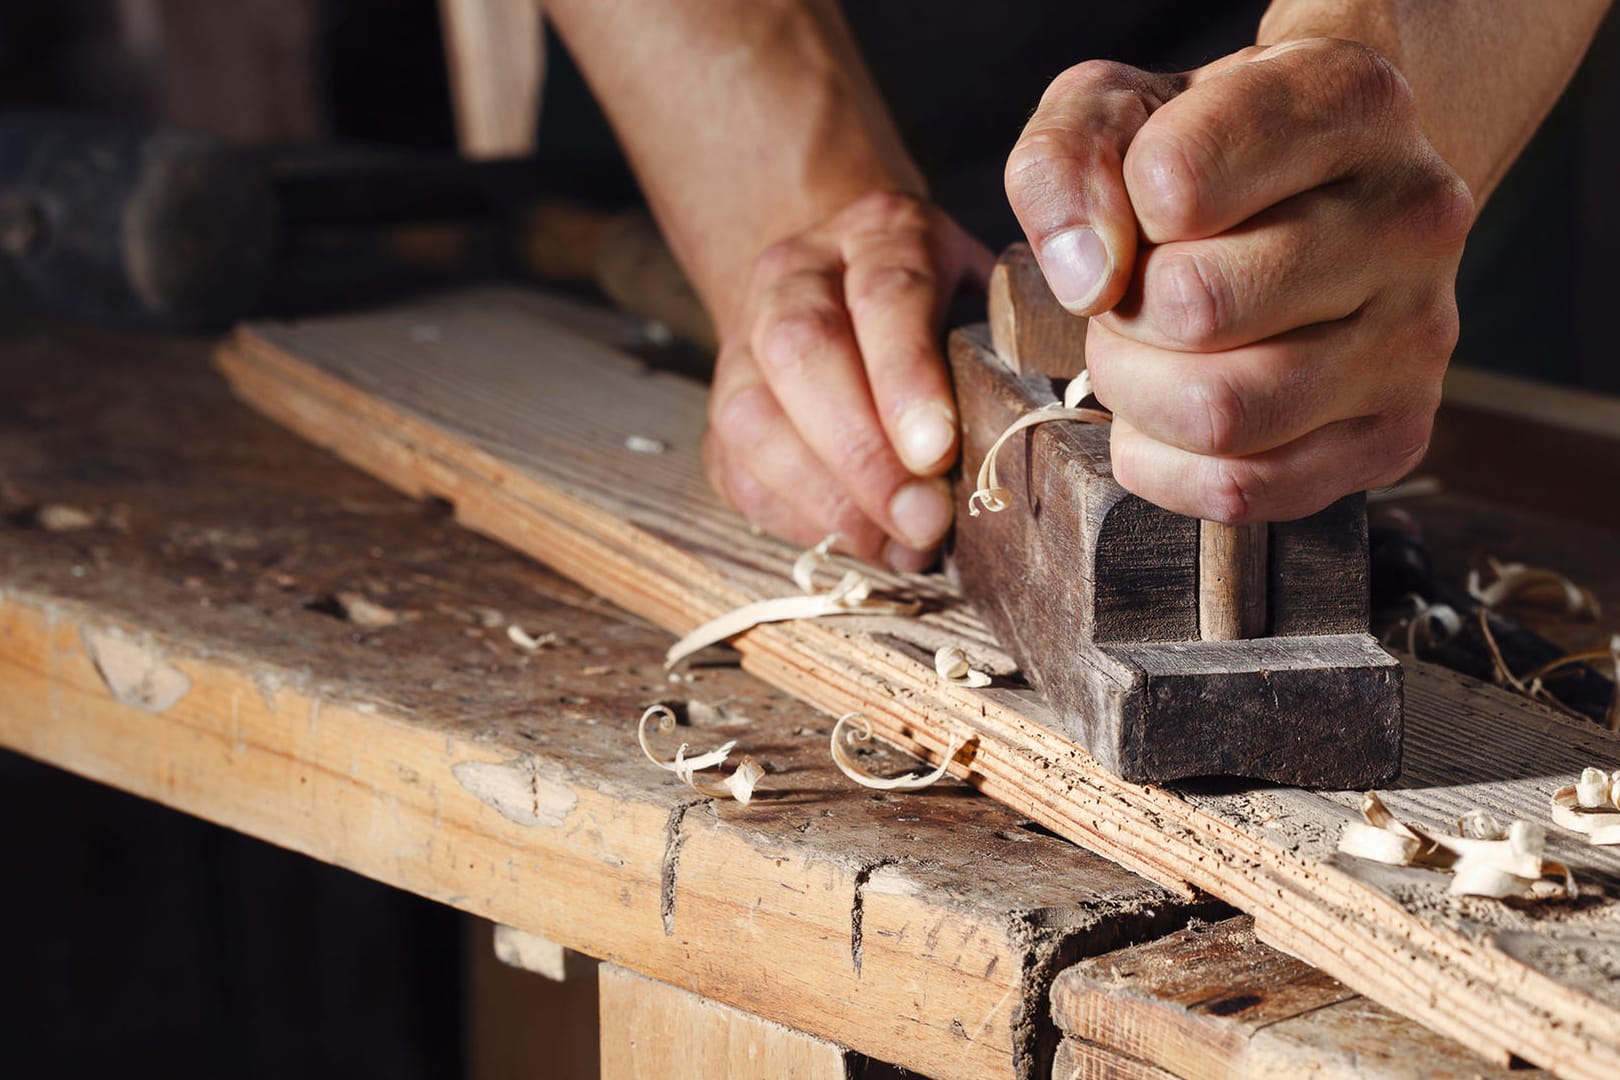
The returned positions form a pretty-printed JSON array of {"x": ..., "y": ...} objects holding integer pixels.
[
  {"x": 654, "y": 1031},
  {"x": 519, "y": 1025},
  {"x": 522, "y": 427},
  {"x": 434, "y": 754},
  {"x": 496, "y": 54},
  {"x": 1212, "y": 1003}
]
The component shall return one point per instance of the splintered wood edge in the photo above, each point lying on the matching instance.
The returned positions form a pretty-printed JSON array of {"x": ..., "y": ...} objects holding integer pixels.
[{"x": 1465, "y": 988}]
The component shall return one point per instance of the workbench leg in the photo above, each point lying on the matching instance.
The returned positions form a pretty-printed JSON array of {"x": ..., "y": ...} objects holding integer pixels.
[
  {"x": 525, "y": 1026},
  {"x": 653, "y": 1031}
]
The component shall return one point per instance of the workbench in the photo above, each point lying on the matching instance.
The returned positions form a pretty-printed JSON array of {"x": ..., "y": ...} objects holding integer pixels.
[{"x": 198, "y": 608}]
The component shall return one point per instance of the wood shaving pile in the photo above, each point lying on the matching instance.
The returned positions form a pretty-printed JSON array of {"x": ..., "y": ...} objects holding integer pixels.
[
  {"x": 1536, "y": 585},
  {"x": 1483, "y": 858},
  {"x": 1590, "y": 806},
  {"x": 852, "y": 595}
]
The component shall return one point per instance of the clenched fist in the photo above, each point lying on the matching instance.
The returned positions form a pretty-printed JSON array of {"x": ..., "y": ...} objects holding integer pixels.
[{"x": 1268, "y": 248}]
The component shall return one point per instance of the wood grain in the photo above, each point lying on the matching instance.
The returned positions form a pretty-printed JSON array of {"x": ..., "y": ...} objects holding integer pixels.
[
  {"x": 1029, "y": 329},
  {"x": 1212, "y": 1003},
  {"x": 436, "y": 755},
  {"x": 1231, "y": 581},
  {"x": 521, "y": 426},
  {"x": 654, "y": 1031}
]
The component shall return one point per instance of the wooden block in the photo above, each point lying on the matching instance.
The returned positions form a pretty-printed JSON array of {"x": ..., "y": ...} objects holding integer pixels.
[
  {"x": 1095, "y": 592},
  {"x": 656, "y": 1031},
  {"x": 1029, "y": 329},
  {"x": 540, "y": 955},
  {"x": 1213, "y": 1003},
  {"x": 1077, "y": 1060},
  {"x": 518, "y": 1025}
]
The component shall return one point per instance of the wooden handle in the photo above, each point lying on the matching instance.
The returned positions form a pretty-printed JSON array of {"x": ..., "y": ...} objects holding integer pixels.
[
  {"x": 1231, "y": 581},
  {"x": 1034, "y": 334}
]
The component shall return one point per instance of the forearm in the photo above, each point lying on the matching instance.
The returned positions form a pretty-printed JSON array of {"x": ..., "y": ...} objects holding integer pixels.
[
  {"x": 1484, "y": 73},
  {"x": 745, "y": 120}
]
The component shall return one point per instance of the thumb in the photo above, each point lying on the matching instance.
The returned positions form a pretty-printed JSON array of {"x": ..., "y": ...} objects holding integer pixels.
[{"x": 1065, "y": 179}]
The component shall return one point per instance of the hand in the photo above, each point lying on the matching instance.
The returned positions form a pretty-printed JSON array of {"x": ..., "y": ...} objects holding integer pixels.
[
  {"x": 831, "y": 409},
  {"x": 1268, "y": 247}
]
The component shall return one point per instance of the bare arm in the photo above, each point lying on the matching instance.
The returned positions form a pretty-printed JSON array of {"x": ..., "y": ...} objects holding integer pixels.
[{"x": 775, "y": 171}]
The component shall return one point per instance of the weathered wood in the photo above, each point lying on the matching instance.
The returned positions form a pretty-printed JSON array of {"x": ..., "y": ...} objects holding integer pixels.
[
  {"x": 1029, "y": 329},
  {"x": 1076, "y": 1060},
  {"x": 654, "y": 1031},
  {"x": 496, "y": 54},
  {"x": 435, "y": 754},
  {"x": 1117, "y": 651},
  {"x": 1212, "y": 1003},
  {"x": 533, "y": 953},
  {"x": 521, "y": 426}
]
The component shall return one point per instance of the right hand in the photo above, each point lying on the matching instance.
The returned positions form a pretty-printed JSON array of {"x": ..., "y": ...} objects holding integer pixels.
[{"x": 831, "y": 410}]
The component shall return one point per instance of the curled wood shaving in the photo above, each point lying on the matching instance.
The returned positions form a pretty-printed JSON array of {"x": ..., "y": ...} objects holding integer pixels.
[
  {"x": 952, "y": 664},
  {"x": 912, "y": 781},
  {"x": 739, "y": 785},
  {"x": 527, "y": 641},
  {"x": 1496, "y": 862},
  {"x": 851, "y": 596},
  {"x": 988, "y": 491},
  {"x": 1591, "y": 805},
  {"x": 1519, "y": 581},
  {"x": 1428, "y": 627}
]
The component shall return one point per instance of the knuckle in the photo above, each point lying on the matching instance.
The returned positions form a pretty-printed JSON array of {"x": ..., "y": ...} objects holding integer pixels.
[
  {"x": 1232, "y": 492},
  {"x": 1443, "y": 211},
  {"x": 885, "y": 285},
  {"x": 1190, "y": 301},
  {"x": 788, "y": 341},
  {"x": 1438, "y": 327},
  {"x": 779, "y": 259},
  {"x": 1090, "y": 77},
  {"x": 1407, "y": 442},
  {"x": 1372, "y": 84},
  {"x": 745, "y": 418},
  {"x": 1169, "y": 173},
  {"x": 1216, "y": 417}
]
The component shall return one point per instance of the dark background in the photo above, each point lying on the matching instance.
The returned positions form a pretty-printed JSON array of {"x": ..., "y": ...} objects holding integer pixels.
[{"x": 140, "y": 941}]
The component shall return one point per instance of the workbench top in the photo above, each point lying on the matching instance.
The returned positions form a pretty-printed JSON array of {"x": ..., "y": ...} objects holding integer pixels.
[{"x": 200, "y": 608}]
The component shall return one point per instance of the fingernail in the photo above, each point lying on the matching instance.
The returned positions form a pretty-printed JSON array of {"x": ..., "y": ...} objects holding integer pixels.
[
  {"x": 1076, "y": 266},
  {"x": 927, "y": 433},
  {"x": 907, "y": 560},
  {"x": 922, "y": 512}
]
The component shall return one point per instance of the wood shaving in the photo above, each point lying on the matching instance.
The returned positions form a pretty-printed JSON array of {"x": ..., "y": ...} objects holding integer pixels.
[
  {"x": 852, "y": 595},
  {"x": 365, "y": 612},
  {"x": 1591, "y": 806},
  {"x": 528, "y": 642},
  {"x": 739, "y": 785},
  {"x": 1497, "y": 862},
  {"x": 642, "y": 444},
  {"x": 913, "y": 781},
  {"x": 952, "y": 664},
  {"x": 60, "y": 517},
  {"x": 988, "y": 491},
  {"x": 1427, "y": 628},
  {"x": 1534, "y": 585}
]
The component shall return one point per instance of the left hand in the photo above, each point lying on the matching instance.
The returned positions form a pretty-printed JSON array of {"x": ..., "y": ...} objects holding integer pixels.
[{"x": 1268, "y": 246}]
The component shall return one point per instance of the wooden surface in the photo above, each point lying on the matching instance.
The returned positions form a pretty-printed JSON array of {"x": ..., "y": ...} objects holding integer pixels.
[
  {"x": 1212, "y": 1003},
  {"x": 1029, "y": 329},
  {"x": 496, "y": 55},
  {"x": 1097, "y": 593},
  {"x": 1231, "y": 581},
  {"x": 654, "y": 1031},
  {"x": 210, "y": 580},
  {"x": 521, "y": 426}
]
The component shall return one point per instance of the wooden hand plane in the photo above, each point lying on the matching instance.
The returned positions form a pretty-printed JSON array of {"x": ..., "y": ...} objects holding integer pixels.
[{"x": 1169, "y": 647}]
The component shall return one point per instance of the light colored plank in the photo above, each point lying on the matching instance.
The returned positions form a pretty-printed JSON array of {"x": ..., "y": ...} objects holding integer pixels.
[
  {"x": 522, "y": 1026},
  {"x": 654, "y": 1031},
  {"x": 496, "y": 54},
  {"x": 1212, "y": 1003},
  {"x": 521, "y": 426},
  {"x": 1518, "y": 399}
]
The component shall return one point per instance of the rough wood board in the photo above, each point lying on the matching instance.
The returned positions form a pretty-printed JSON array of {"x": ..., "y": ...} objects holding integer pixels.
[
  {"x": 921, "y": 929},
  {"x": 1212, "y": 1003},
  {"x": 521, "y": 426},
  {"x": 654, "y": 1031}
]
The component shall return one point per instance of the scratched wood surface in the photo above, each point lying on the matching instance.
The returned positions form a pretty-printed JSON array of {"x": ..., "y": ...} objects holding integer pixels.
[
  {"x": 522, "y": 426},
  {"x": 177, "y": 618}
]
